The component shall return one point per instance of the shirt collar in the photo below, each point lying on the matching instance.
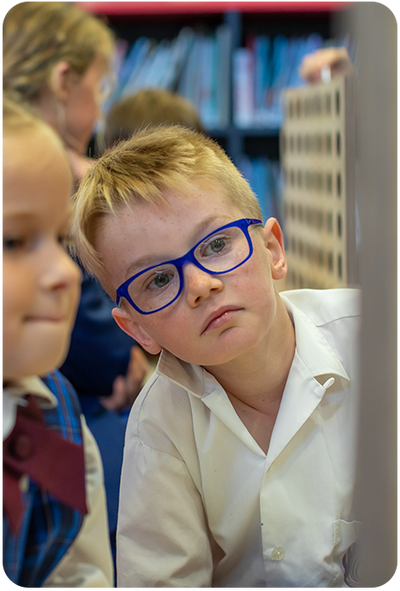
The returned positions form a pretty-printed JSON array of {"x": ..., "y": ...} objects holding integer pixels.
[
  {"x": 315, "y": 352},
  {"x": 14, "y": 394},
  {"x": 193, "y": 378},
  {"x": 311, "y": 347},
  {"x": 32, "y": 385}
]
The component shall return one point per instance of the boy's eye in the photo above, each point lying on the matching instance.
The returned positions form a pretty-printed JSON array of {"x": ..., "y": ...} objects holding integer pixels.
[
  {"x": 217, "y": 245},
  {"x": 160, "y": 280},
  {"x": 157, "y": 280}
]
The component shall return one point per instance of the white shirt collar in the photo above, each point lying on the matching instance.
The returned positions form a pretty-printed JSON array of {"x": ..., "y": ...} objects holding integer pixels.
[
  {"x": 315, "y": 352},
  {"x": 13, "y": 395},
  {"x": 190, "y": 377},
  {"x": 311, "y": 347},
  {"x": 32, "y": 385}
]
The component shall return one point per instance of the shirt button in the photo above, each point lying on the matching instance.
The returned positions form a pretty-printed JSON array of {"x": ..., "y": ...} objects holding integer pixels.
[
  {"x": 278, "y": 553},
  {"x": 23, "y": 447}
]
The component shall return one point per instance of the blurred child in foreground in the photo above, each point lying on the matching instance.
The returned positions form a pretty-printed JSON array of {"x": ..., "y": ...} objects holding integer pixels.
[{"x": 54, "y": 512}]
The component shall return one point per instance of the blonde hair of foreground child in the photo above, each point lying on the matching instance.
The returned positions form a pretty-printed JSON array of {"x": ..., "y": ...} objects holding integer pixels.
[{"x": 143, "y": 168}]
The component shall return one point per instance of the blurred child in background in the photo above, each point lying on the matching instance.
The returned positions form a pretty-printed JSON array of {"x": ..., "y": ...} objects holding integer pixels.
[{"x": 149, "y": 106}]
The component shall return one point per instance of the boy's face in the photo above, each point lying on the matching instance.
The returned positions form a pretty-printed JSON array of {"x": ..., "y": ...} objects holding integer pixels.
[
  {"x": 217, "y": 317},
  {"x": 41, "y": 283}
]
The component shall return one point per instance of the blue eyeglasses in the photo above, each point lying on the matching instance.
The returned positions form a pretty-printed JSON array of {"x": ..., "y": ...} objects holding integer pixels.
[{"x": 220, "y": 252}]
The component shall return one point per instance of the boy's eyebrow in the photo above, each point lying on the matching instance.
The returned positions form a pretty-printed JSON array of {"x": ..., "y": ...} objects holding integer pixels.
[{"x": 200, "y": 229}]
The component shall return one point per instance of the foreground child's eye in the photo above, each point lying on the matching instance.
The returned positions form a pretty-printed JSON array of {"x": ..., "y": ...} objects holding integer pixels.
[
  {"x": 65, "y": 241},
  {"x": 13, "y": 243}
]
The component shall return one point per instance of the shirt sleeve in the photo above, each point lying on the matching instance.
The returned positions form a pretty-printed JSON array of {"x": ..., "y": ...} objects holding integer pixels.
[
  {"x": 162, "y": 537},
  {"x": 88, "y": 562}
]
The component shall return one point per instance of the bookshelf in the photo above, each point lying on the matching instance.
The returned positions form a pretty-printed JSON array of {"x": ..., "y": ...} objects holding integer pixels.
[{"x": 237, "y": 26}]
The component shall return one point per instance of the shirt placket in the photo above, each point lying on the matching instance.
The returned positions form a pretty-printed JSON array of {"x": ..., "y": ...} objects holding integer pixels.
[{"x": 281, "y": 521}]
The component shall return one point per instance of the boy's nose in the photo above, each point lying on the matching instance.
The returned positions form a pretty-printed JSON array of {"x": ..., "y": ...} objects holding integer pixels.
[{"x": 199, "y": 285}]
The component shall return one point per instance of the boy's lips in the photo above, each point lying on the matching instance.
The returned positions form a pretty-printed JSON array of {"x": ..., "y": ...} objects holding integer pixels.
[{"x": 220, "y": 317}]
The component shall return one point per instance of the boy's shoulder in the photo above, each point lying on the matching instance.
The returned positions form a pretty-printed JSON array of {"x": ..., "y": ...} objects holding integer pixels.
[{"x": 323, "y": 306}]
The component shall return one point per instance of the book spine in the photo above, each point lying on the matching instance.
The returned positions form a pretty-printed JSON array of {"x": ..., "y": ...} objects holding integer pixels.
[
  {"x": 223, "y": 78},
  {"x": 243, "y": 87}
]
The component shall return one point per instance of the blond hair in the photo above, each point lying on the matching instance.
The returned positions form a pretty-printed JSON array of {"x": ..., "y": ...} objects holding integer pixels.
[
  {"x": 149, "y": 106},
  {"x": 143, "y": 168},
  {"x": 38, "y": 35}
]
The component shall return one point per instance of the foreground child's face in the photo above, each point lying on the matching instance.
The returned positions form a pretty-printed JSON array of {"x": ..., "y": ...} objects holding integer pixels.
[
  {"x": 216, "y": 318},
  {"x": 41, "y": 283}
]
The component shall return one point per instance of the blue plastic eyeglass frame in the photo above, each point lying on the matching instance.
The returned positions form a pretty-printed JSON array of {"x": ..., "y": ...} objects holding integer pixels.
[{"x": 243, "y": 224}]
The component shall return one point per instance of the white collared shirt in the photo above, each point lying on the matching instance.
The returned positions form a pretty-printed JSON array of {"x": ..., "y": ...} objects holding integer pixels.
[
  {"x": 202, "y": 505},
  {"x": 88, "y": 561}
]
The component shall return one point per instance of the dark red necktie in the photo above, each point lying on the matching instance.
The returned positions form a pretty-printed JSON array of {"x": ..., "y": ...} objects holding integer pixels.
[{"x": 39, "y": 452}]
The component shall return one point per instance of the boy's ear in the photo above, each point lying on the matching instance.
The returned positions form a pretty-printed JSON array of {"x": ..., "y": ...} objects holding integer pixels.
[
  {"x": 61, "y": 79},
  {"x": 273, "y": 239},
  {"x": 133, "y": 329}
]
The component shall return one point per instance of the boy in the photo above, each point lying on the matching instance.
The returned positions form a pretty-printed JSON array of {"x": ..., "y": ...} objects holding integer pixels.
[
  {"x": 55, "y": 522},
  {"x": 239, "y": 456}
]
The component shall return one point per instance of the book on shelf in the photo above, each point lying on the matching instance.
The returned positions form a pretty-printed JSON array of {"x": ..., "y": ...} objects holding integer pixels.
[
  {"x": 262, "y": 73},
  {"x": 207, "y": 105},
  {"x": 262, "y": 69},
  {"x": 205, "y": 69},
  {"x": 189, "y": 83},
  {"x": 111, "y": 82},
  {"x": 264, "y": 178},
  {"x": 195, "y": 65},
  {"x": 180, "y": 48},
  {"x": 131, "y": 66},
  {"x": 149, "y": 73},
  {"x": 243, "y": 94},
  {"x": 205, "y": 78},
  {"x": 223, "y": 74}
]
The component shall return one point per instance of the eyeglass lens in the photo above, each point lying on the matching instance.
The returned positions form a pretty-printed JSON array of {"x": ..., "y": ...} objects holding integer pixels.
[{"x": 219, "y": 253}]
